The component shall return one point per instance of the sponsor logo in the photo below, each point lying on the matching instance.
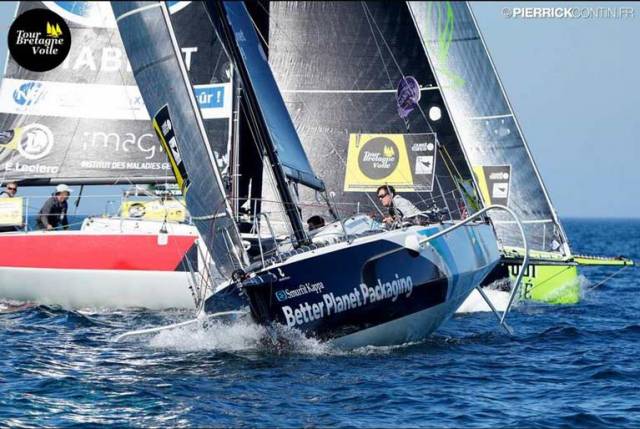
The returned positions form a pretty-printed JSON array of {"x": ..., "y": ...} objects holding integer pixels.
[
  {"x": 303, "y": 289},
  {"x": 32, "y": 169},
  {"x": 500, "y": 190},
  {"x": 210, "y": 96},
  {"x": 407, "y": 96},
  {"x": 72, "y": 100},
  {"x": 499, "y": 175},
  {"x": 422, "y": 147},
  {"x": 36, "y": 142},
  {"x": 164, "y": 130},
  {"x": 39, "y": 40},
  {"x": 53, "y": 30},
  {"x": 424, "y": 165},
  {"x": 137, "y": 210},
  {"x": 378, "y": 158},
  {"x": 124, "y": 165},
  {"x": 28, "y": 93},
  {"x": 494, "y": 183},
  {"x": 214, "y": 100},
  {"x": 406, "y": 161},
  {"x": 363, "y": 295},
  {"x": 105, "y": 59},
  {"x": 126, "y": 142},
  {"x": 100, "y": 101}
]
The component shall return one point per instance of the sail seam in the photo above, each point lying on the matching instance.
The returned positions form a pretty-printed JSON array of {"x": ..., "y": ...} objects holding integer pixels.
[
  {"x": 479, "y": 118},
  {"x": 349, "y": 91},
  {"x": 138, "y": 10}
]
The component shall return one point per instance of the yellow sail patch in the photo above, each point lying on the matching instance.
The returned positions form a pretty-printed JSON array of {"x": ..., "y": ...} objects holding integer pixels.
[
  {"x": 171, "y": 210},
  {"x": 377, "y": 159},
  {"x": 11, "y": 211}
]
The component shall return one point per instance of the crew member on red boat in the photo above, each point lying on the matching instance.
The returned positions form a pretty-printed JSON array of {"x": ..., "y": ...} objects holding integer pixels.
[
  {"x": 53, "y": 213},
  {"x": 10, "y": 190}
]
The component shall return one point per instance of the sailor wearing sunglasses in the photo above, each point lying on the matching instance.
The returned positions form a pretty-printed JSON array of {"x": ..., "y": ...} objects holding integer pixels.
[{"x": 399, "y": 208}]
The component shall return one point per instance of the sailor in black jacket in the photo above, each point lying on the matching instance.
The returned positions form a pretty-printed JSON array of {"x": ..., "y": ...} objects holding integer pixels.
[{"x": 53, "y": 213}]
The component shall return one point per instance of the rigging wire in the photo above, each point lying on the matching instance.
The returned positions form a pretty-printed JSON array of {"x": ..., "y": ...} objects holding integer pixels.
[
  {"x": 600, "y": 283},
  {"x": 370, "y": 20}
]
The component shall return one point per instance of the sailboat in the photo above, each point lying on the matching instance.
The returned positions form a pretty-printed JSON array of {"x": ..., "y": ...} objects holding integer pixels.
[
  {"x": 370, "y": 286},
  {"x": 502, "y": 163},
  {"x": 84, "y": 123}
]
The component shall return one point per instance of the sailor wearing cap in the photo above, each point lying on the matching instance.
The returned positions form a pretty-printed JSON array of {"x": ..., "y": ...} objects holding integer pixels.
[{"x": 53, "y": 213}]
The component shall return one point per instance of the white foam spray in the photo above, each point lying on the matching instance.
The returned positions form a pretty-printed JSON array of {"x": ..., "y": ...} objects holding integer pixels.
[{"x": 245, "y": 336}]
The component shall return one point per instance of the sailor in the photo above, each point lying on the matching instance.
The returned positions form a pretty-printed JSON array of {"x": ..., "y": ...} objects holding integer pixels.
[
  {"x": 315, "y": 222},
  {"x": 53, "y": 213},
  {"x": 10, "y": 190},
  {"x": 399, "y": 208}
]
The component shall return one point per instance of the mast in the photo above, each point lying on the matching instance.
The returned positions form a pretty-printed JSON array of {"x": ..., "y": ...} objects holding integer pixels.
[{"x": 264, "y": 107}]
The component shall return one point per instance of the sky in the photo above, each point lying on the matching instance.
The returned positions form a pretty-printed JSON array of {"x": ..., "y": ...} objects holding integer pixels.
[{"x": 573, "y": 84}]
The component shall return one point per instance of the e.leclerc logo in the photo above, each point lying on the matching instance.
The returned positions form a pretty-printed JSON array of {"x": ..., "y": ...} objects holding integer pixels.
[{"x": 39, "y": 40}]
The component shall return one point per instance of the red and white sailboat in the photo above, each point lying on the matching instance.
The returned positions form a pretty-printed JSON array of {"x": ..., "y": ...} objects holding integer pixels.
[
  {"x": 107, "y": 263},
  {"x": 84, "y": 123}
]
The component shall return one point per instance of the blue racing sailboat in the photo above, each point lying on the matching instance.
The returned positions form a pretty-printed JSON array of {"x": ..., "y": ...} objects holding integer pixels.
[{"x": 369, "y": 286}]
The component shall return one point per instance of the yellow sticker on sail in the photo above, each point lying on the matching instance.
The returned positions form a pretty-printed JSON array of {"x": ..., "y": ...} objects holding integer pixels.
[
  {"x": 11, "y": 211},
  {"x": 9, "y": 139},
  {"x": 164, "y": 129},
  {"x": 405, "y": 161},
  {"x": 494, "y": 182},
  {"x": 171, "y": 210}
]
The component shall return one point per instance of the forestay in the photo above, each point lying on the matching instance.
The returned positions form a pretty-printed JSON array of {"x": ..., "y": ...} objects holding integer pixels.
[
  {"x": 493, "y": 142},
  {"x": 162, "y": 78}
]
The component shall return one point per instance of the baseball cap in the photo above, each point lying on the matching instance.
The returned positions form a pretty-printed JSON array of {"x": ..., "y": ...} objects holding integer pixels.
[{"x": 62, "y": 188}]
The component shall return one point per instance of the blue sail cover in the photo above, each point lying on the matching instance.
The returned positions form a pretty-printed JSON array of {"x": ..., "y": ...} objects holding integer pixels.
[
  {"x": 488, "y": 130},
  {"x": 161, "y": 76},
  {"x": 281, "y": 131}
]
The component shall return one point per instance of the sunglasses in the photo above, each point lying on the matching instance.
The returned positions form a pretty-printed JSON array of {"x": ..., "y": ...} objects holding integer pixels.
[
  {"x": 12, "y": 189},
  {"x": 382, "y": 196}
]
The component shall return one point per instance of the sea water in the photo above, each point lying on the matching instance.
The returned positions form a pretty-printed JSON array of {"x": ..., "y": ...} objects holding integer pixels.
[{"x": 573, "y": 366}]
